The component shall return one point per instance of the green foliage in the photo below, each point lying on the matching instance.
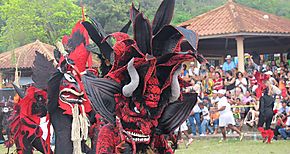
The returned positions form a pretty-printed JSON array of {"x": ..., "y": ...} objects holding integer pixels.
[
  {"x": 28, "y": 20},
  {"x": 24, "y": 21}
]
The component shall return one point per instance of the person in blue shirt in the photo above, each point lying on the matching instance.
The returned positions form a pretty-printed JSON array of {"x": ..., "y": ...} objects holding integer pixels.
[{"x": 228, "y": 64}]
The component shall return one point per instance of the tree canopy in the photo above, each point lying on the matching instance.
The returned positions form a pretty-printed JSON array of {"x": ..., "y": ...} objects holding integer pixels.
[{"x": 24, "y": 21}]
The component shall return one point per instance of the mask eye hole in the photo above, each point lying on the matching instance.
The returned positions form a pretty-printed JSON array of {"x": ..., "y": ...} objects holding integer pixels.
[
  {"x": 69, "y": 78},
  {"x": 136, "y": 110}
]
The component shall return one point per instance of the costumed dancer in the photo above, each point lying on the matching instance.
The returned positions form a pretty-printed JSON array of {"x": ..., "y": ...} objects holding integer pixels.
[
  {"x": 25, "y": 122},
  {"x": 140, "y": 95},
  {"x": 266, "y": 111},
  {"x": 226, "y": 118},
  {"x": 29, "y": 108}
]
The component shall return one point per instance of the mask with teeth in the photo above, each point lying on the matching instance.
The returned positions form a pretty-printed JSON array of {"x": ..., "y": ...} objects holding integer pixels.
[{"x": 142, "y": 89}]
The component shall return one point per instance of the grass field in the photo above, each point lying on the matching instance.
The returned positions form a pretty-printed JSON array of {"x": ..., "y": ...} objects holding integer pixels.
[
  {"x": 230, "y": 147},
  {"x": 235, "y": 147}
]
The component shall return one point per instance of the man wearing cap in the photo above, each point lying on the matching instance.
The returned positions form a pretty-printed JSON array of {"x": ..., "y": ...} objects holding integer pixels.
[
  {"x": 228, "y": 64},
  {"x": 226, "y": 118},
  {"x": 193, "y": 71}
]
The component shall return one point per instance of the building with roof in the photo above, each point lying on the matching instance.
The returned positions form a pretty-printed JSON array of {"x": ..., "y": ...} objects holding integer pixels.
[
  {"x": 21, "y": 60},
  {"x": 235, "y": 29}
]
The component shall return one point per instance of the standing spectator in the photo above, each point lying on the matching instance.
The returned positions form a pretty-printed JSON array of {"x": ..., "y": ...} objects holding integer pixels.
[
  {"x": 214, "y": 98},
  {"x": 183, "y": 129},
  {"x": 194, "y": 119},
  {"x": 205, "y": 119},
  {"x": 273, "y": 80},
  {"x": 228, "y": 64},
  {"x": 218, "y": 81},
  {"x": 285, "y": 132},
  {"x": 230, "y": 82},
  {"x": 226, "y": 118},
  {"x": 241, "y": 82},
  {"x": 250, "y": 66},
  {"x": 214, "y": 118}
]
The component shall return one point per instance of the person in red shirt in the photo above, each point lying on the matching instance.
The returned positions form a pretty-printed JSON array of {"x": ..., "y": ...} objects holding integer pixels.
[
  {"x": 281, "y": 123},
  {"x": 218, "y": 81}
]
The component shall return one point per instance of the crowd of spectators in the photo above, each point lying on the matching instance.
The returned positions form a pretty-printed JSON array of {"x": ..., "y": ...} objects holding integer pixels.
[{"x": 242, "y": 93}]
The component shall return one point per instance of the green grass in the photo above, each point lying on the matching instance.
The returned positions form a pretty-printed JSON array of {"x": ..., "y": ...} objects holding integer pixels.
[
  {"x": 230, "y": 147},
  {"x": 235, "y": 147}
]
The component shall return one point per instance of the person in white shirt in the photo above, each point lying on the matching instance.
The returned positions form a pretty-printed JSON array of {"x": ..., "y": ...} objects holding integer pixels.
[
  {"x": 215, "y": 99},
  {"x": 226, "y": 118},
  {"x": 205, "y": 122},
  {"x": 194, "y": 119}
]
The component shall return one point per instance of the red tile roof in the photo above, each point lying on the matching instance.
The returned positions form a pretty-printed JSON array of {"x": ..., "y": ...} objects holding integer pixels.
[
  {"x": 25, "y": 55},
  {"x": 233, "y": 18}
]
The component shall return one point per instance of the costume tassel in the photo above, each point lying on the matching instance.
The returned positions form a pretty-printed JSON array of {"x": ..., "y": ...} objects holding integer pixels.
[
  {"x": 75, "y": 131},
  {"x": 84, "y": 123}
]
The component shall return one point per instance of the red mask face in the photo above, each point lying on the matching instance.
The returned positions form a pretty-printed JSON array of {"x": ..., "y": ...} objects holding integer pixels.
[
  {"x": 139, "y": 118},
  {"x": 70, "y": 91}
]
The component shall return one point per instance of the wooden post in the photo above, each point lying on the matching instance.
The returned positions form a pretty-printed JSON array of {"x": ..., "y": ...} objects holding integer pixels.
[{"x": 240, "y": 53}]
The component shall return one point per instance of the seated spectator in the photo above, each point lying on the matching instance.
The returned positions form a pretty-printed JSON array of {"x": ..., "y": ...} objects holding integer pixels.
[
  {"x": 247, "y": 99},
  {"x": 211, "y": 73},
  {"x": 230, "y": 81},
  {"x": 237, "y": 113},
  {"x": 241, "y": 81},
  {"x": 207, "y": 84},
  {"x": 205, "y": 119},
  {"x": 284, "y": 108},
  {"x": 280, "y": 123},
  {"x": 217, "y": 82},
  {"x": 252, "y": 116},
  {"x": 285, "y": 132},
  {"x": 184, "y": 73}
]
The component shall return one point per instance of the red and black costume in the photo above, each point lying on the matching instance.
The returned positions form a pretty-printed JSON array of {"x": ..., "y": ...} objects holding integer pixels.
[
  {"x": 26, "y": 120},
  {"x": 266, "y": 115},
  {"x": 140, "y": 95},
  {"x": 68, "y": 104}
]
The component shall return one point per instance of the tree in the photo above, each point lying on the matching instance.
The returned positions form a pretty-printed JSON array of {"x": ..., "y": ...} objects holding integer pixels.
[
  {"x": 28, "y": 20},
  {"x": 112, "y": 14}
]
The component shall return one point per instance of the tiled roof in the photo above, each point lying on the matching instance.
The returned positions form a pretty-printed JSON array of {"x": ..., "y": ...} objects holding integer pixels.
[
  {"x": 233, "y": 18},
  {"x": 25, "y": 55}
]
